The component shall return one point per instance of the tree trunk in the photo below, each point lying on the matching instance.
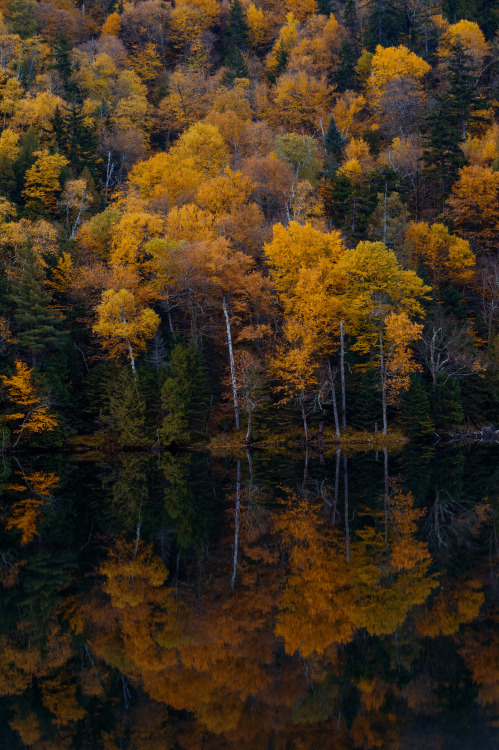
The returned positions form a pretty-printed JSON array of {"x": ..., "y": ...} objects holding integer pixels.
[
  {"x": 304, "y": 417},
  {"x": 333, "y": 397},
  {"x": 232, "y": 364},
  {"x": 342, "y": 368},
  {"x": 248, "y": 431}
]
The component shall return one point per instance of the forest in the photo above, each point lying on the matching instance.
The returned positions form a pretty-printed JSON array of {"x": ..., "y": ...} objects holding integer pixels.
[{"x": 247, "y": 220}]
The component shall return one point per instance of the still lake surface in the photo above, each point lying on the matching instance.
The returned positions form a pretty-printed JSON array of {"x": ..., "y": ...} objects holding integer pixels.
[{"x": 257, "y": 600}]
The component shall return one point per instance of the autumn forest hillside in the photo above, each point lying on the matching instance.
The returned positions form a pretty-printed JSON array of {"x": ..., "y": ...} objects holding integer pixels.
[{"x": 247, "y": 219}]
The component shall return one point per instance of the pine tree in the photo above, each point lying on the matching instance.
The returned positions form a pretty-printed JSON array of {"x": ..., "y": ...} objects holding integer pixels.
[
  {"x": 447, "y": 407},
  {"x": 74, "y": 139},
  {"x": 37, "y": 327},
  {"x": 334, "y": 144},
  {"x": 62, "y": 62},
  {"x": 28, "y": 144},
  {"x": 463, "y": 82},
  {"x": 351, "y": 19},
  {"x": 183, "y": 396},
  {"x": 344, "y": 77},
  {"x": 416, "y": 413},
  {"x": 127, "y": 410},
  {"x": 443, "y": 156},
  {"x": 236, "y": 34}
]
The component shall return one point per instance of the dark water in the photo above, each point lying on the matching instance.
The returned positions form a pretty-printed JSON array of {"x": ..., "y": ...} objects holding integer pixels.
[{"x": 254, "y": 601}]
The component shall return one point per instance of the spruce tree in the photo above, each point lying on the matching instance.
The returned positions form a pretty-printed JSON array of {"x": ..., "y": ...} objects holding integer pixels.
[
  {"x": 462, "y": 89},
  {"x": 443, "y": 156},
  {"x": 37, "y": 327},
  {"x": 127, "y": 410},
  {"x": 344, "y": 77},
  {"x": 447, "y": 407},
  {"x": 61, "y": 57},
  {"x": 416, "y": 412},
  {"x": 74, "y": 139},
  {"x": 334, "y": 144},
  {"x": 183, "y": 396},
  {"x": 236, "y": 33}
]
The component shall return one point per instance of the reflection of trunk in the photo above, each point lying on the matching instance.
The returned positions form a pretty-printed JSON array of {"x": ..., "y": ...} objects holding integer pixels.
[
  {"x": 333, "y": 397},
  {"x": 304, "y": 417},
  {"x": 232, "y": 364},
  {"x": 236, "y": 526},
  {"x": 347, "y": 526},
  {"x": 342, "y": 367}
]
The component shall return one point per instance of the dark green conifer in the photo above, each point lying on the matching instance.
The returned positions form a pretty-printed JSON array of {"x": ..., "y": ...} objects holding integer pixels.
[
  {"x": 334, "y": 144},
  {"x": 37, "y": 327},
  {"x": 447, "y": 407},
  {"x": 344, "y": 77},
  {"x": 127, "y": 410},
  {"x": 443, "y": 156},
  {"x": 416, "y": 413}
]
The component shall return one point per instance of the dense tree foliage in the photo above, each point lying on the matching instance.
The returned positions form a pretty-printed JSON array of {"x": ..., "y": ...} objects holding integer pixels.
[{"x": 251, "y": 206}]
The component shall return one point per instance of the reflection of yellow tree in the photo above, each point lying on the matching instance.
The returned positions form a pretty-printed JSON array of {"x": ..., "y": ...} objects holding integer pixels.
[
  {"x": 390, "y": 567},
  {"x": 318, "y": 600}
]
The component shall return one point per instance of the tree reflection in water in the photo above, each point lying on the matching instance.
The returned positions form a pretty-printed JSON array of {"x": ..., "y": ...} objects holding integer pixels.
[{"x": 244, "y": 603}]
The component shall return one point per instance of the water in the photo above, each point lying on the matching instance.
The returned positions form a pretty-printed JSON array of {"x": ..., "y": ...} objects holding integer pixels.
[{"x": 260, "y": 600}]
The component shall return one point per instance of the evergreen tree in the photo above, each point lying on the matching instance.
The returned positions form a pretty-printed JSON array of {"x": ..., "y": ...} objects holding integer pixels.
[
  {"x": 236, "y": 66},
  {"x": 344, "y": 77},
  {"x": 416, "y": 413},
  {"x": 28, "y": 144},
  {"x": 351, "y": 19},
  {"x": 443, "y": 156},
  {"x": 463, "y": 82},
  {"x": 334, "y": 144},
  {"x": 183, "y": 396},
  {"x": 37, "y": 327},
  {"x": 385, "y": 24},
  {"x": 127, "y": 410},
  {"x": 447, "y": 406},
  {"x": 236, "y": 32},
  {"x": 281, "y": 56},
  {"x": 61, "y": 57},
  {"x": 366, "y": 401},
  {"x": 74, "y": 139}
]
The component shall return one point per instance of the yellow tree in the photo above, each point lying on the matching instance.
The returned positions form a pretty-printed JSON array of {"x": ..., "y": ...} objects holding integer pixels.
[
  {"x": 123, "y": 326},
  {"x": 374, "y": 286},
  {"x": 303, "y": 262},
  {"x": 395, "y": 357},
  {"x": 474, "y": 206},
  {"x": 32, "y": 414},
  {"x": 389, "y": 63},
  {"x": 42, "y": 181},
  {"x": 447, "y": 257}
]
